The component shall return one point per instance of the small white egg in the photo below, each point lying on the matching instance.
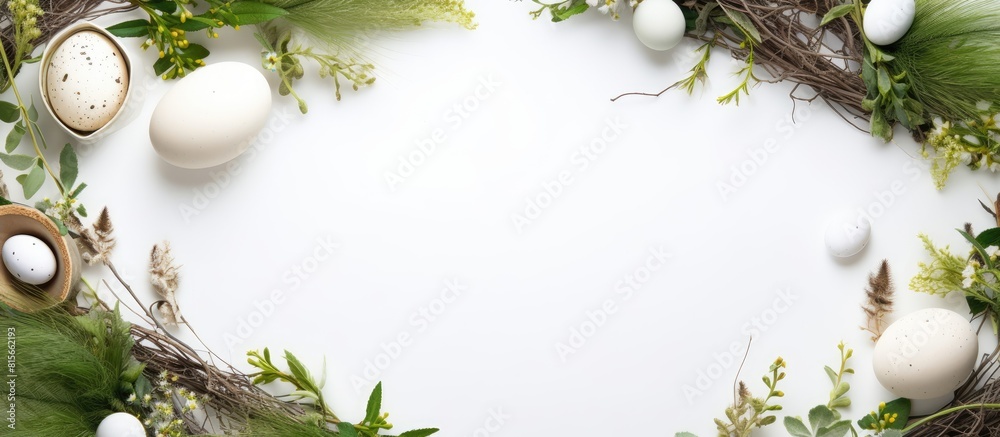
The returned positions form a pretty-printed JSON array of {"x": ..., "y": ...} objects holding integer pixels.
[
  {"x": 29, "y": 259},
  {"x": 926, "y": 354},
  {"x": 886, "y": 21},
  {"x": 210, "y": 116},
  {"x": 659, "y": 24},
  {"x": 121, "y": 425},
  {"x": 87, "y": 81},
  {"x": 847, "y": 233}
]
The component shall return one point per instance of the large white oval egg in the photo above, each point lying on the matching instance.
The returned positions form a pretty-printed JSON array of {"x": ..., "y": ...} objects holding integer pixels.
[
  {"x": 659, "y": 24},
  {"x": 87, "y": 81},
  {"x": 886, "y": 21},
  {"x": 210, "y": 116},
  {"x": 926, "y": 354},
  {"x": 121, "y": 425},
  {"x": 29, "y": 259}
]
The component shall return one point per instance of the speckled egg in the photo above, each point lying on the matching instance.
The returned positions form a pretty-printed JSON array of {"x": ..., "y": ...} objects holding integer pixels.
[
  {"x": 87, "y": 81},
  {"x": 29, "y": 259},
  {"x": 926, "y": 354}
]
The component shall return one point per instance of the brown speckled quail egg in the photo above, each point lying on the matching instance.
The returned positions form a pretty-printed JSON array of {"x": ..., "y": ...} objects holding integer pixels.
[{"x": 87, "y": 81}]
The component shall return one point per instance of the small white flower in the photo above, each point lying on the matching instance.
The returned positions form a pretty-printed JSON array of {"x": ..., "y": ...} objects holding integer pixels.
[
  {"x": 969, "y": 273},
  {"x": 991, "y": 251},
  {"x": 131, "y": 398}
]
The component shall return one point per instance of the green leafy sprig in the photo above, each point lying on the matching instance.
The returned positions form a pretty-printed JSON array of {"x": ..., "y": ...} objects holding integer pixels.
[
  {"x": 975, "y": 275},
  {"x": 24, "y": 117},
  {"x": 560, "y": 11},
  {"x": 891, "y": 416},
  {"x": 748, "y": 412},
  {"x": 285, "y": 58},
  {"x": 170, "y": 20},
  {"x": 307, "y": 388},
  {"x": 25, "y": 15}
]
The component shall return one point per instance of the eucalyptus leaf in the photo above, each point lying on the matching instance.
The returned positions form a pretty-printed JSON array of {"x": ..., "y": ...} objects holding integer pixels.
[
  {"x": 9, "y": 112},
  {"x": 18, "y": 162},
  {"x": 14, "y": 136},
  {"x": 839, "y": 429},
  {"x": 830, "y": 373},
  {"x": 32, "y": 180},
  {"x": 68, "y": 167},
  {"x": 63, "y": 230},
  {"x": 819, "y": 417},
  {"x": 796, "y": 428}
]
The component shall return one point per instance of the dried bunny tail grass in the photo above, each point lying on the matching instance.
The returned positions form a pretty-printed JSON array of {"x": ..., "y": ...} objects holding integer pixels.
[
  {"x": 97, "y": 242},
  {"x": 4, "y": 192},
  {"x": 879, "y": 295},
  {"x": 165, "y": 278}
]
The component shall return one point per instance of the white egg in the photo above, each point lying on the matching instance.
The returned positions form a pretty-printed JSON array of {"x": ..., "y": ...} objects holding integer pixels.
[
  {"x": 121, "y": 425},
  {"x": 926, "y": 354},
  {"x": 847, "y": 232},
  {"x": 659, "y": 24},
  {"x": 87, "y": 81},
  {"x": 210, "y": 116},
  {"x": 886, "y": 21},
  {"x": 29, "y": 259}
]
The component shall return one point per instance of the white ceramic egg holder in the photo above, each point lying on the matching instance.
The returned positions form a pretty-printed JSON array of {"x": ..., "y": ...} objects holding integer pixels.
[{"x": 128, "y": 110}]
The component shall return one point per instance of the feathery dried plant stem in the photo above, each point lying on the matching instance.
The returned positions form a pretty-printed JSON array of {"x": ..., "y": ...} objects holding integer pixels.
[
  {"x": 4, "y": 192},
  {"x": 879, "y": 296},
  {"x": 164, "y": 277}
]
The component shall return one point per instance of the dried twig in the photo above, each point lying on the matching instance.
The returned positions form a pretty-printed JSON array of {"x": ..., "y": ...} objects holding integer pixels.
[{"x": 795, "y": 48}]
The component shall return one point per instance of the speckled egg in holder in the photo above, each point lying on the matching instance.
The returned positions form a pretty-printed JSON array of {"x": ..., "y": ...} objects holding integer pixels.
[{"x": 86, "y": 79}]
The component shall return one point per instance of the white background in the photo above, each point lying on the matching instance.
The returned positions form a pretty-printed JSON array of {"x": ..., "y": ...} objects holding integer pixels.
[{"x": 321, "y": 177}]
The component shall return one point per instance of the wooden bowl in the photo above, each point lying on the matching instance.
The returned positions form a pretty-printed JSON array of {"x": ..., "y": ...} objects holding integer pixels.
[{"x": 19, "y": 219}]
